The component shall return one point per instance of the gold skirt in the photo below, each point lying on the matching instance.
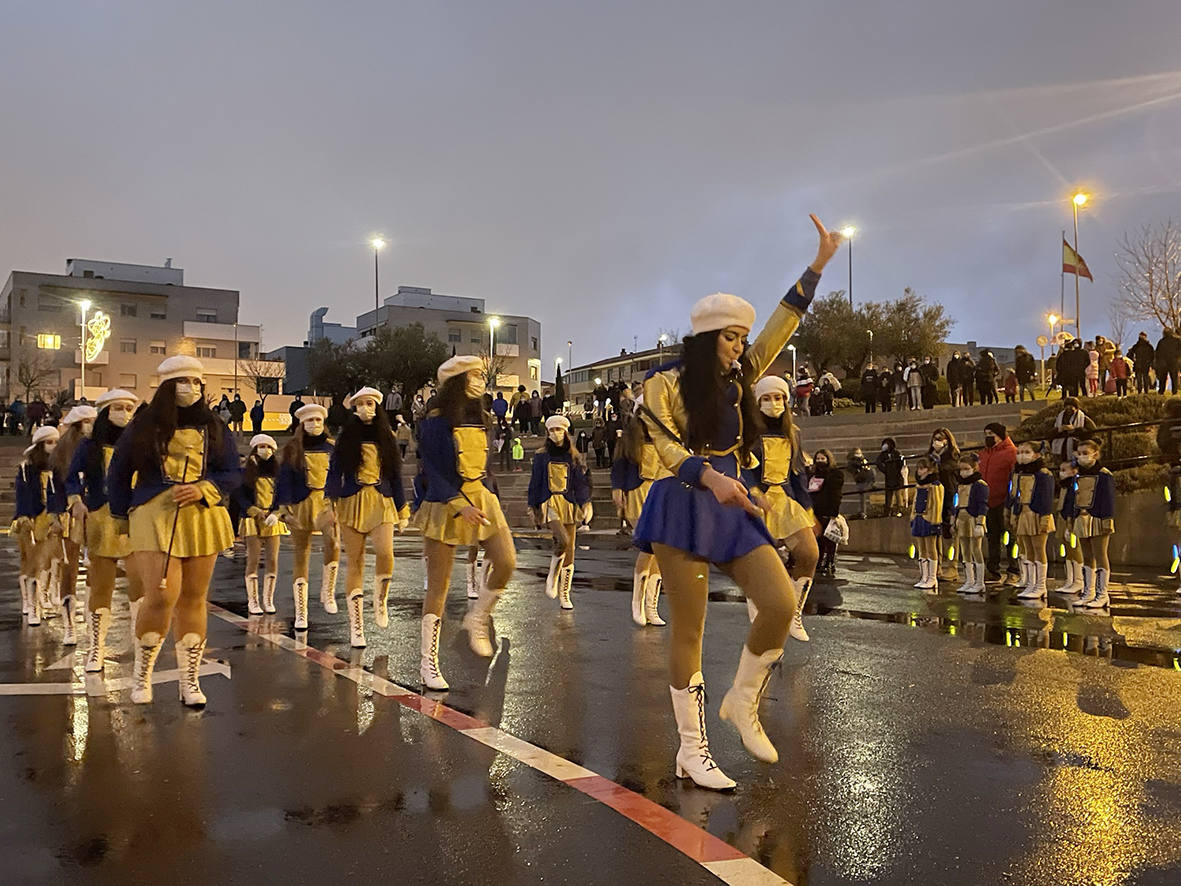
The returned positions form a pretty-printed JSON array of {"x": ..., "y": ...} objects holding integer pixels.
[
  {"x": 102, "y": 535},
  {"x": 1086, "y": 526},
  {"x": 438, "y": 520},
  {"x": 787, "y": 516},
  {"x": 633, "y": 502},
  {"x": 560, "y": 508},
  {"x": 364, "y": 511},
  {"x": 302, "y": 516},
  {"x": 963, "y": 525},
  {"x": 1031, "y": 523},
  {"x": 43, "y": 522},
  {"x": 248, "y": 527},
  {"x": 200, "y": 530}
]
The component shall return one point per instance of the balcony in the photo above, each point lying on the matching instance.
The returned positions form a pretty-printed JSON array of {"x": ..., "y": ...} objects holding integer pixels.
[{"x": 221, "y": 331}]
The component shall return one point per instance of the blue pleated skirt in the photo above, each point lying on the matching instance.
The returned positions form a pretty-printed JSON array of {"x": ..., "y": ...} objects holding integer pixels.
[
  {"x": 921, "y": 528},
  {"x": 692, "y": 520}
]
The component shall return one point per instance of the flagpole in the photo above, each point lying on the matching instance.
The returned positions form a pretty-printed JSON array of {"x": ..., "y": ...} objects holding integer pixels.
[
  {"x": 1078, "y": 329},
  {"x": 1062, "y": 285}
]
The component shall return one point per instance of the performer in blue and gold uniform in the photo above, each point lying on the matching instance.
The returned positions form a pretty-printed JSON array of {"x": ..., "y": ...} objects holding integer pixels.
[
  {"x": 702, "y": 416},
  {"x": 364, "y": 485},
  {"x": 560, "y": 499},
  {"x": 75, "y": 427},
  {"x": 1031, "y": 504},
  {"x": 172, "y": 471},
  {"x": 105, "y": 545},
  {"x": 779, "y": 487},
  {"x": 1094, "y": 522},
  {"x": 36, "y": 524},
  {"x": 926, "y": 521},
  {"x": 458, "y": 507},
  {"x": 303, "y": 474},
  {"x": 636, "y": 467},
  {"x": 261, "y": 528}
]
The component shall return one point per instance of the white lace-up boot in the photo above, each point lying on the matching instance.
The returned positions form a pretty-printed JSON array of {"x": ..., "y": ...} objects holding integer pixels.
[
  {"x": 189, "y": 652},
  {"x": 969, "y": 584},
  {"x": 328, "y": 587},
  {"x": 978, "y": 585},
  {"x": 565, "y": 582},
  {"x": 639, "y": 598},
  {"x": 651, "y": 598},
  {"x": 147, "y": 648},
  {"x": 97, "y": 624},
  {"x": 428, "y": 668},
  {"x": 381, "y": 598},
  {"x": 1088, "y": 586},
  {"x": 693, "y": 757},
  {"x": 1074, "y": 578},
  {"x": 478, "y": 622},
  {"x": 26, "y": 584},
  {"x": 252, "y": 603},
  {"x": 473, "y": 584},
  {"x": 1100, "y": 600},
  {"x": 551, "y": 581},
  {"x": 356, "y": 607},
  {"x": 69, "y": 635},
  {"x": 269, "y": 580},
  {"x": 299, "y": 596},
  {"x": 796, "y": 630},
  {"x": 740, "y": 706}
]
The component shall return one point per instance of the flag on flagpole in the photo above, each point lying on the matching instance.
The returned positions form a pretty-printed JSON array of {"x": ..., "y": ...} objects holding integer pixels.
[{"x": 1072, "y": 262}]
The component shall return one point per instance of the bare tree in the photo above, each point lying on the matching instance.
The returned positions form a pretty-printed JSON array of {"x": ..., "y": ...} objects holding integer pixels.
[
  {"x": 493, "y": 367},
  {"x": 32, "y": 369},
  {"x": 1119, "y": 321},
  {"x": 263, "y": 375},
  {"x": 1150, "y": 274}
]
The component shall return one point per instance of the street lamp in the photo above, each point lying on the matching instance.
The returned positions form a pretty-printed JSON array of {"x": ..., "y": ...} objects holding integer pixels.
[
  {"x": 870, "y": 331},
  {"x": 493, "y": 323},
  {"x": 660, "y": 344},
  {"x": 848, "y": 231},
  {"x": 792, "y": 348},
  {"x": 84, "y": 304},
  {"x": 1078, "y": 201},
  {"x": 1052, "y": 319},
  {"x": 378, "y": 245}
]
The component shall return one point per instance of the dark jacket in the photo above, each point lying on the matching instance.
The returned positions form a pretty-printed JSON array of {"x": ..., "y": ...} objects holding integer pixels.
[
  {"x": 826, "y": 501},
  {"x": 1072, "y": 365},
  {"x": 890, "y": 463},
  {"x": 1025, "y": 367},
  {"x": 1142, "y": 354},
  {"x": 1168, "y": 353},
  {"x": 869, "y": 383}
]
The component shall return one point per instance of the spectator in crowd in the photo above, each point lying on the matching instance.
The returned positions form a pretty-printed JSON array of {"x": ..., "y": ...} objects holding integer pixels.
[
  {"x": 393, "y": 402},
  {"x": 885, "y": 391},
  {"x": 296, "y": 405},
  {"x": 914, "y": 385},
  {"x": 1167, "y": 360},
  {"x": 955, "y": 380},
  {"x": 825, "y": 399},
  {"x": 1120, "y": 370},
  {"x": 804, "y": 388},
  {"x": 417, "y": 409},
  {"x": 504, "y": 440},
  {"x": 859, "y": 470},
  {"x": 55, "y": 414},
  {"x": 832, "y": 380},
  {"x": 825, "y": 485},
  {"x": 16, "y": 415},
  {"x": 500, "y": 406},
  {"x": 402, "y": 434},
  {"x": 1070, "y": 425},
  {"x": 997, "y": 459},
  {"x": 223, "y": 409},
  {"x": 35, "y": 413},
  {"x": 900, "y": 390},
  {"x": 599, "y": 442},
  {"x": 583, "y": 443},
  {"x": 237, "y": 414},
  {"x": 535, "y": 413},
  {"x": 600, "y": 400},
  {"x": 1106, "y": 349},
  {"x": 1091, "y": 372},
  {"x": 1072, "y": 368},
  {"x": 1010, "y": 386},
  {"x": 968, "y": 379},
  {"x": 986, "y": 378},
  {"x": 1025, "y": 369},
  {"x": 891, "y": 463},
  {"x": 523, "y": 412},
  {"x": 256, "y": 416},
  {"x": 930, "y": 374},
  {"x": 337, "y": 416},
  {"x": 613, "y": 433},
  {"x": 869, "y": 388},
  {"x": 1143, "y": 354}
]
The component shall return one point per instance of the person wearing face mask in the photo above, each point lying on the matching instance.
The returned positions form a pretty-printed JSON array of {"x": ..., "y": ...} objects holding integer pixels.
[
  {"x": 261, "y": 528},
  {"x": 173, "y": 468},
  {"x": 997, "y": 460},
  {"x": 1094, "y": 523},
  {"x": 885, "y": 389},
  {"x": 105, "y": 544},
  {"x": 945, "y": 453},
  {"x": 559, "y": 496},
  {"x": 779, "y": 486},
  {"x": 76, "y": 426},
  {"x": 303, "y": 475},
  {"x": 970, "y": 506},
  {"x": 987, "y": 372},
  {"x": 926, "y": 522},
  {"x": 703, "y": 418},
  {"x": 1031, "y": 510},
  {"x": 869, "y": 388},
  {"x": 1072, "y": 552},
  {"x": 35, "y": 522},
  {"x": 636, "y": 467},
  {"x": 955, "y": 380},
  {"x": 892, "y": 465},
  {"x": 825, "y": 486},
  {"x": 459, "y": 507},
  {"x": 914, "y": 384},
  {"x": 930, "y": 374},
  {"x": 364, "y": 485},
  {"x": 1070, "y": 424}
]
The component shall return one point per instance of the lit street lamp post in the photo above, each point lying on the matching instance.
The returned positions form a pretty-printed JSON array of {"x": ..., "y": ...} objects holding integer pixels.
[
  {"x": 848, "y": 231},
  {"x": 493, "y": 322},
  {"x": 84, "y": 304},
  {"x": 378, "y": 244},
  {"x": 1077, "y": 201},
  {"x": 792, "y": 348}
]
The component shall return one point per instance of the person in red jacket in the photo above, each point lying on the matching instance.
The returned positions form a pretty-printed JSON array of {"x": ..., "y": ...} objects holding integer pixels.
[{"x": 997, "y": 459}]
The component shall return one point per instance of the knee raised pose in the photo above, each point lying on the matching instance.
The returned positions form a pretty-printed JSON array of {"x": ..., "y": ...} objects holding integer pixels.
[
  {"x": 703, "y": 419},
  {"x": 173, "y": 470}
]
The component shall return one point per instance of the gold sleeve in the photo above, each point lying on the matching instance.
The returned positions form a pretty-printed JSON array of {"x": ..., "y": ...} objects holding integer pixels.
[
  {"x": 662, "y": 395},
  {"x": 773, "y": 337}
]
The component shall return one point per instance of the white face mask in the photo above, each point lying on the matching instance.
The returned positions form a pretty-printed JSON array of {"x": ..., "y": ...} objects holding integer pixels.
[
  {"x": 87, "y": 427},
  {"x": 1086, "y": 461},
  {"x": 120, "y": 414},
  {"x": 1024, "y": 458},
  {"x": 187, "y": 393},
  {"x": 939, "y": 445},
  {"x": 966, "y": 473},
  {"x": 771, "y": 408},
  {"x": 264, "y": 453},
  {"x": 313, "y": 426},
  {"x": 476, "y": 384},
  {"x": 366, "y": 410},
  {"x": 558, "y": 436}
]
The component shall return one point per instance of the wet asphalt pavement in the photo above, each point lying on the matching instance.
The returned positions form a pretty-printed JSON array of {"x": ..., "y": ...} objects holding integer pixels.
[{"x": 922, "y": 740}]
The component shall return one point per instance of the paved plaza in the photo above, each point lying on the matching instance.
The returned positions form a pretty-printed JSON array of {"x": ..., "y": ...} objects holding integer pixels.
[{"x": 922, "y": 740}]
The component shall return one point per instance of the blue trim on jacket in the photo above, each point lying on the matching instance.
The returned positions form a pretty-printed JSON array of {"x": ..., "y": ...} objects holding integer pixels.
[
  {"x": 291, "y": 486},
  {"x": 245, "y": 495},
  {"x": 438, "y": 459},
  {"x": 1042, "y": 500},
  {"x": 625, "y": 474},
  {"x": 29, "y": 502},
  {"x": 83, "y": 481},
  {"x": 977, "y": 499},
  {"x": 1103, "y": 504},
  {"x": 577, "y": 487},
  {"x": 337, "y": 486},
  {"x": 1069, "y": 490}
]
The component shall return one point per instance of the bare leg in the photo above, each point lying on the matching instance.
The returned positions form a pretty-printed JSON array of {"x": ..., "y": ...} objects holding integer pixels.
[
  {"x": 502, "y": 553},
  {"x": 271, "y": 554},
  {"x": 383, "y": 548}
]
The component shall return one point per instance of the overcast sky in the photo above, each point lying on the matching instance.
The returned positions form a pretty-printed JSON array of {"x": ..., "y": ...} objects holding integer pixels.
[{"x": 597, "y": 165}]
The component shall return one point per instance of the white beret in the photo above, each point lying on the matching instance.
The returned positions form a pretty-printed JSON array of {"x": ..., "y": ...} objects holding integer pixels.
[
  {"x": 366, "y": 391},
  {"x": 45, "y": 432},
  {"x": 721, "y": 310},
  {"x": 311, "y": 410},
  {"x": 459, "y": 365},
  {"x": 263, "y": 440},
  {"x": 768, "y": 384},
  {"x": 81, "y": 412},
  {"x": 113, "y": 396},
  {"x": 180, "y": 366},
  {"x": 557, "y": 421}
]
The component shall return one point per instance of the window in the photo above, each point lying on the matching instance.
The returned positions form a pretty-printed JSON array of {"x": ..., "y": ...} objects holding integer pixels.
[
  {"x": 206, "y": 351},
  {"x": 534, "y": 340},
  {"x": 127, "y": 380},
  {"x": 127, "y": 346},
  {"x": 533, "y": 372},
  {"x": 157, "y": 347},
  {"x": 506, "y": 334},
  {"x": 477, "y": 338},
  {"x": 48, "y": 303},
  {"x": 89, "y": 275},
  {"x": 454, "y": 335},
  {"x": 158, "y": 313},
  {"x": 126, "y": 310},
  {"x": 246, "y": 350},
  {"x": 49, "y": 341},
  {"x": 206, "y": 315}
]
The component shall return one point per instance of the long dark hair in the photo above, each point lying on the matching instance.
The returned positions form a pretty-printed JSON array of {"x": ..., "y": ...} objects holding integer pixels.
[
  {"x": 154, "y": 426},
  {"x": 38, "y": 459},
  {"x": 105, "y": 433},
  {"x": 352, "y": 435},
  {"x": 702, "y": 387},
  {"x": 569, "y": 448},
  {"x": 635, "y": 435},
  {"x": 293, "y": 452},
  {"x": 253, "y": 469},
  {"x": 66, "y": 444},
  {"x": 456, "y": 407}
]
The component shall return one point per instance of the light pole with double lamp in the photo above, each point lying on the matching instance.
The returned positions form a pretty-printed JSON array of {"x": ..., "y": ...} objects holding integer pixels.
[{"x": 84, "y": 304}]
